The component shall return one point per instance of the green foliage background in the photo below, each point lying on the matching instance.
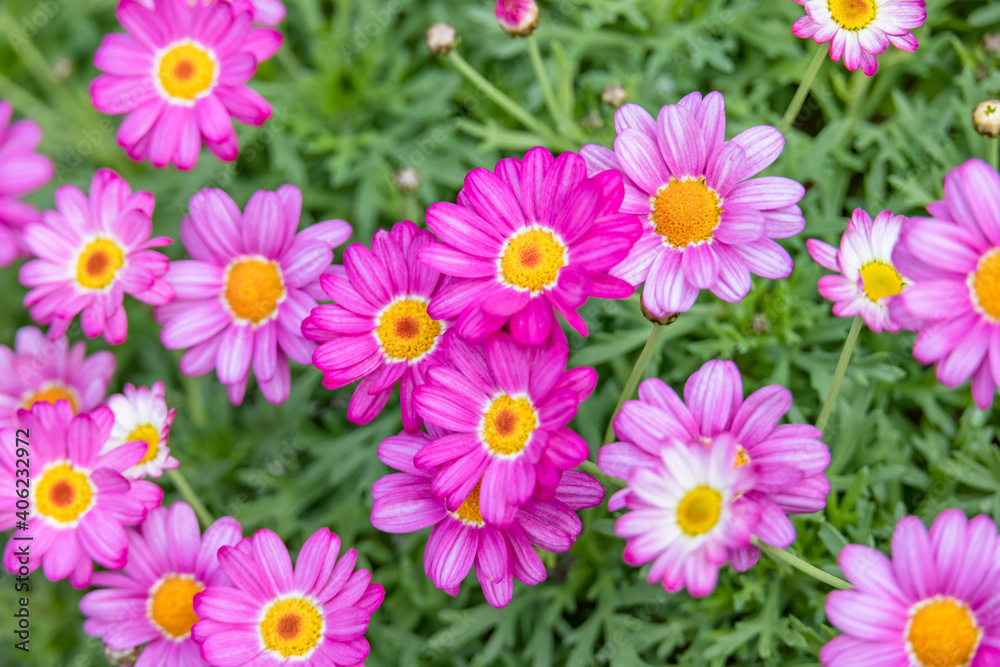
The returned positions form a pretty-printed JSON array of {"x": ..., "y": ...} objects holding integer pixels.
[{"x": 357, "y": 96}]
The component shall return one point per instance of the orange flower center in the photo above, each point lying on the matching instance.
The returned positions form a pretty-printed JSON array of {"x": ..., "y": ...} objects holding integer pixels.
[
  {"x": 942, "y": 632},
  {"x": 852, "y": 14},
  {"x": 508, "y": 424},
  {"x": 406, "y": 331},
  {"x": 187, "y": 71},
  {"x": 468, "y": 511},
  {"x": 699, "y": 510},
  {"x": 984, "y": 284},
  {"x": 63, "y": 493},
  {"x": 171, "y": 605},
  {"x": 55, "y": 391},
  {"x": 532, "y": 259},
  {"x": 686, "y": 211},
  {"x": 148, "y": 434},
  {"x": 292, "y": 626},
  {"x": 881, "y": 280},
  {"x": 254, "y": 288},
  {"x": 98, "y": 264}
]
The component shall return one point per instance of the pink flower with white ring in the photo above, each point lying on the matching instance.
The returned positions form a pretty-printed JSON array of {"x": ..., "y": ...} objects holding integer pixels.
[
  {"x": 706, "y": 224},
  {"x": 78, "y": 503},
  {"x": 531, "y": 238},
  {"x": 868, "y": 282},
  {"x": 180, "y": 74},
  {"x": 859, "y": 30},
  {"x": 91, "y": 253},
  {"x": 460, "y": 539},
  {"x": 22, "y": 170},
  {"x": 252, "y": 281},
  {"x": 142, "y": 414},
  {"x": 378, "y": 330}
]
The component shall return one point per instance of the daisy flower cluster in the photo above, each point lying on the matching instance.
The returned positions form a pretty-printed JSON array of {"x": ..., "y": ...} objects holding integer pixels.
[{"x": 465, "y": 320}]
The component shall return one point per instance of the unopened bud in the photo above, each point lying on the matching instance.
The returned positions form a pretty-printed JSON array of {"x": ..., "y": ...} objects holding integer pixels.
[
  {"x": 669, "y": 318},
  {"x": 441, "y": 39},
  {"x": 592, "y": 121},
  {"x": 614, "y": 96},
  {"x": 518, "y": 18},
  {"x": 62, "y": 68},
  {"x": 407, "y": 179},
  {"x": 991, "y": 42},
  {"x": 986, "y": 118},
  {"x": 124, "y": 658}
]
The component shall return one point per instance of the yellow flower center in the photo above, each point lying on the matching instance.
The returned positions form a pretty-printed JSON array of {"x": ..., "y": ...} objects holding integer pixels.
[
  {"x": 984, "y": 284},
  {"x": 187, "y": 71},
  {"x": 406, "y": 331},
  {"x": 532, "y": 259},
  {"x": 254, "y": 288},
  {"x": 53, "y": 392},
  {"x": 881, "y": 280},
  {"x": 171, "y": 605},
  {"x": 292, "y": 627},
  {"x": 942, "y": 632},
  {"x": 148, "y": 434},
  {"x": 509, "y": 423},
  {"x": 852, "y": 14},
  {"x": 699, "y": 510},
  {"x": 99, "y": 263},
  {"x": 63, "y": 493},
  {"x": 686, "y": 211},
  {"x": 468, "y": 511},
  {"x": 742, "y": 458}
]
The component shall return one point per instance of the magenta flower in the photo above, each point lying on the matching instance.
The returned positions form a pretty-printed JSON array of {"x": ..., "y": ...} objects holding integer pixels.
[
  {"x": 859, "y": 30},
  {"x": 378, "y": 330},
  {"x": 142, "y": 414},
  {"x": 264, "y": 12},
  {"x": 22, "y": 171},
  {"x": 41, "y": 370},
  {"x": 518, "y": 18},
  {"x": 787, "y": 460},
  {"x": 953, "y": 260},
  {"x": 151, "y": 600},
  {"x": 180, "y": 74},
  {"x": 313, "y": 615},
  {"x": 78, "y": 503},
  {"x": 507, "y": 407},
  {"x": 868, "y": 282},
  {"x": 531, "y": 238},
  {"x": 937, "y": 602},
  {"x": 461, "y": 539},
  {"x": 251, "y": 282},
  {"x": 91, "y": 253},
  {"x": 688, "y": 513},
  {"x": 706, "y": 224}
]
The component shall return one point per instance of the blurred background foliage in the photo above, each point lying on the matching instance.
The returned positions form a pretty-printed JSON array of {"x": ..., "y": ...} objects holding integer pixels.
[{"x": 357, "y": 97}]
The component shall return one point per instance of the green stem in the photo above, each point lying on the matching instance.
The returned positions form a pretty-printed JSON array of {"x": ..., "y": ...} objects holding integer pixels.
[
  {"x": 800, "y": 95},
  {"x": 543, "y": 81},
  {"x": 591, "y": 468},
  {"x": 994, "y": 153},
  {"x": 495, "y": 94},
  {"x": 189, "y": 495},
  {"x": 861, "y": 84},
  {"x": 838, "y": 375},
  {"x": 799, "y": 564},
  {"x": 633, "y": 379}
]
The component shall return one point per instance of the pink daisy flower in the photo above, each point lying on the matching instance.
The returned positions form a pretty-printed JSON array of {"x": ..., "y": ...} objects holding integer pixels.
[
  {"x": 953, "y": 260},
  {"x": 78, "y": 503},
  {"x": 688, "y": 513},
  {"x": 935, "y": 604},
  {"x": 180, "y": 74},
  {"x": 41, "y": 370},
  {"x": 787, "y": 461},
  {"x": 533, "y": 237},
  {"x": 460, "y": 539},
  {"x": 151, "y": 600},
  {"x": 868, "y": 282},
  {"x": 142, "y": 414},
  {"x": 859, "y": 30},
  {"x": 507, "y": 407},
  {"x": 315, "y": 614},
  {"x": 22, "y": 171},
  {"x": 251, "y": 282},
  {"x": 378, "y": 330},
  {"x": 706, "y": 224},
  {"x": 91, "y": 252}
]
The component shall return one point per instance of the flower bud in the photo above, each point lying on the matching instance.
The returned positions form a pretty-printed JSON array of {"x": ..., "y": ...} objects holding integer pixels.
[
  {"x": 518, "y": 18},
  {"x": 407, "y": 179},
  {"x": 614, "y": 95},
  {"x": 123, "y": 658},
  {"x": 986, "y": 118},
  {"x": 441, "y": 39},
  {"x": 991, "y": 42}
]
